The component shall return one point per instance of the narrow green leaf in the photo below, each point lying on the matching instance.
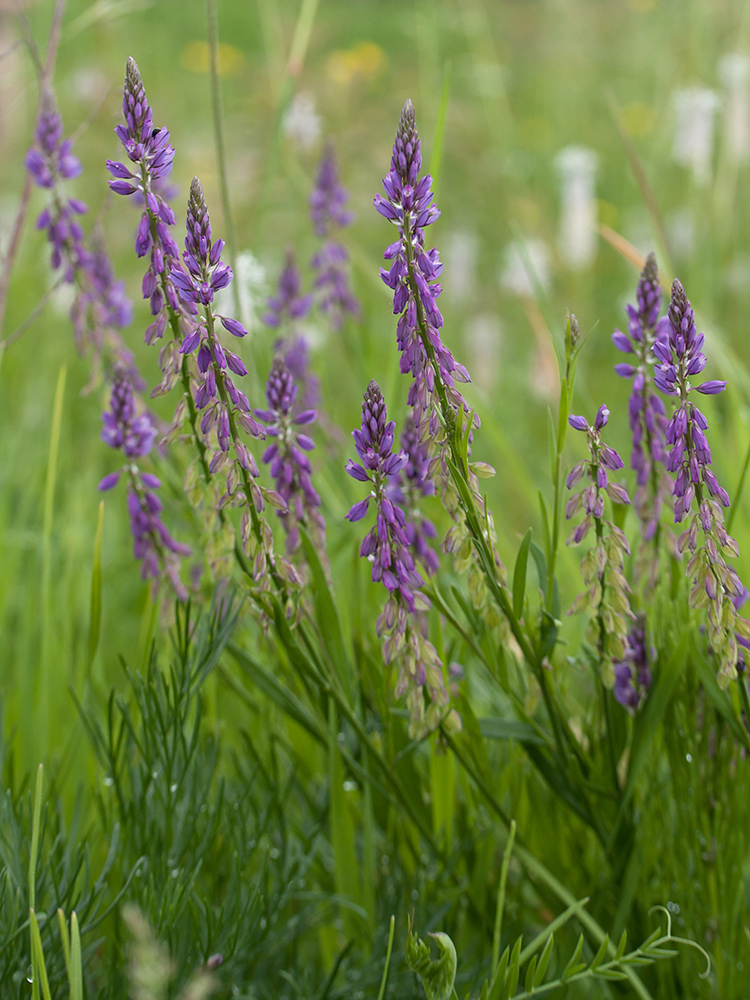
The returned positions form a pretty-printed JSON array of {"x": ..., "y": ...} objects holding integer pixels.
[
  {"x": 611, "y": 974},
  {"x": 76, "y": 963},
  {"x": 500, "y": 905},
  {"x": 562, "y": 415},
  {"x": 556, "y": 924},
  {"x": 499, "y": 981},
  {"x": 648, "y": 719},
  {"x": 35, "y": 824},
  {"x": 538, "y": 553},
  {"x": 621, "y": 946},
  {"x": 573, "y": 962},
  {"x": 552, "y": 445},
  {"x": 530, "y": 973},
  {"x": 39, "y": 978},
  {"x": 601, "y": 954},
  {"x": 541, "y": 971},
  {"x": 438, "y": 142},
  {"x": 95, "y": 617},
  {"x": 384, "y": 980},
  {"x": 509, "y": 729},
  {"x": 511, "y": 980},
  {"x": 326, "y": 612},
  {"x": 279, "y": 693},
  {"x": 343, "y": 833},
  {"x": 65, "y": 939},
  {"x": 519, "y": 574}
]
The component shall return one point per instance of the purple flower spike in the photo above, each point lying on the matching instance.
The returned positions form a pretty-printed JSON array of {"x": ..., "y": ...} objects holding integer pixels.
[
  {"x": 714, "y": 584},
  {"x": 386, "y": 545},
  {"x": 328, "y": 200},
  {"x": 413, "y": 276},
  {"x": 287, "y": 456},
  {"x": 689, "y": 452},
  {"x": 150, "y": 152},
  {"x": 133, "y": 434},
  {"x": 100, "y": 306},
  {"x": 645, "y": 342},
  {"x": 288, "y": 304},
  {"x": 330, "y": 263},
  {"x": 632, "y": 672}
]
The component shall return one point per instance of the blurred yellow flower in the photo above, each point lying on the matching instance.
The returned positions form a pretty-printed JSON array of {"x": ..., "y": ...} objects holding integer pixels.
[
  {"x": 638, "y": 119},
  {"x": 194, "y": 56},
  {"x": 365, "y": 59}
]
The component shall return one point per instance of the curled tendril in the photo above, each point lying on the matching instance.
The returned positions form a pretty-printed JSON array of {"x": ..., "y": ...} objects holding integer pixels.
[{"x": 681, "y": 940}]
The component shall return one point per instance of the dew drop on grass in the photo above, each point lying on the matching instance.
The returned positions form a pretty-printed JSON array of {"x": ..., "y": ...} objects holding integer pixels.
[
  {"x": 263, "y": 923},
  {"x": 414, "y": 895},
  {"x": 350, "y": 786},
  {"x": 173, "y": 787},
  {"x": 689, "y": 758},
  {"x": 274, "y": 853},
  {"x": 108, "y": 781}
]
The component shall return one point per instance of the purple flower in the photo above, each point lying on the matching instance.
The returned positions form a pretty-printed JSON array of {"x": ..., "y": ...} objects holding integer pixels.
[
  {"x": 413, "y": 277},
  {"x": 335, "y": 297},
  {"x": 288, "y": 304},
  {"x": 133, "y": 434},
  {"x": 632, "y": 672},
  {"x": 329, "y": 197},
  {"x": 407, "y": 490},
  {"x": 151, "y": 153},
  {"x": 680, "y": 358},
  {"x": 100, "y": 305},
  {"x": 287, "y": 456},
  {"x": 386, "y": 543},
  {"x": 646, "y": 410},
  {"x": 714, "y": 584},
  {"x": 330, "y": 263},
  {"x": 50, "y": 161}
]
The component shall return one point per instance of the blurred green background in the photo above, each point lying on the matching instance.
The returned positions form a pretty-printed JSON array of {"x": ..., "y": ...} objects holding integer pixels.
[{"x": 651, "y": 95}]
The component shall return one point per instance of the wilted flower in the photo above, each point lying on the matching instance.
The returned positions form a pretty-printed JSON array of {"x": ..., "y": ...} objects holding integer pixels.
[{"x": 606, "y": 594}]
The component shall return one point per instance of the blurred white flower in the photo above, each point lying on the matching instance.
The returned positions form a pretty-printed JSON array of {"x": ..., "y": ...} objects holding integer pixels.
[
  {"x": 681, "y": 232},
  {"x": 246, "y": 295},
  {"x": 526, "y": 267},
  {"x": 461, "y": 254},
  {"x": 302, "y": 123},
  {"x": 484, "y": 338},
  {"x": 576, "y": 166},
  {"x": 695, "y": 109},
  {"x": 734, "y": 73}
]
